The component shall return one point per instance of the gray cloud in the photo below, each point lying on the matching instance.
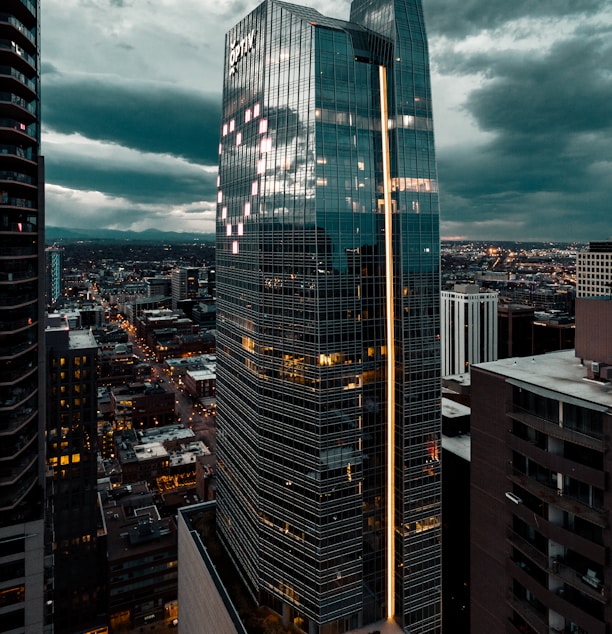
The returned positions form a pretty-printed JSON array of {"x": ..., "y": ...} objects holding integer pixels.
[
  {"x": 460, "y": 19},
  {"x": 148, "y": 116},
  {"x": 526, "y": 149}
]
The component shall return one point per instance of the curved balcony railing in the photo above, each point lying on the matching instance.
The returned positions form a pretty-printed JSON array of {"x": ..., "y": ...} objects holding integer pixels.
[
  {"x": 14, "y": 495},
  {"x": 9, "y": 476},
  {"x": 19, "y": 227},
  {"x": 15, "y": 301},
  {"x": 11, "y": 46},
  {"x": 8, "y": 378},
  {"x": 17, "y": 420},
  {"x": 22, "y": 443},
  {"x": 19, "y": 127},
  {"x": 17, "y": 177},
  {"x": 17, "y": 398},
  {"x": 9, "y": 19},
  {"x": 11, "y": 201},
  {"x": 29, "y": 5},
  {"x": 16, "y": 252},
  {"x": 17, "y": 276},
  {"x": 18, "y": 151},
  {"x": 19, "y": 76}
]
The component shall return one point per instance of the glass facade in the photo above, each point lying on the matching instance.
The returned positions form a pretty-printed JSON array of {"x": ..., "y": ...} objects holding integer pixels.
[{"x": 328, "y": 378}]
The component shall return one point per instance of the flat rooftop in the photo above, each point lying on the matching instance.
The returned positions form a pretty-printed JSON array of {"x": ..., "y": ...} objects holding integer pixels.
[{"x": 559, "y": 372}]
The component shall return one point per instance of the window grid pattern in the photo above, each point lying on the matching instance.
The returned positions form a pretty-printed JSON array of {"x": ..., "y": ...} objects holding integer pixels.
[{"x": 301, "y": 319}]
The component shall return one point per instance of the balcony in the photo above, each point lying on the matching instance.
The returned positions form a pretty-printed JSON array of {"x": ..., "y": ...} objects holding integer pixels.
[
  {"x": 13, "y": 277},
  {"x": 17, "y": 421},
  {"x": 15, "y": 494},
  {"x": 12, "y": 253},
  {"x": 9, "y": 476},
  {"x": 19, "y": 84},
  {"x": 16, "y": 30},
  {"x": 527, "y": 548},
  {"x": 536, "y": 619},
  {"x": 552, "y": 428},
  {"x": 25, "y": 228},
  {"x": 25, "y": 10},
  {"x": 19, "y": 446},
  {"x": 550, "y": 495},
  {"x": 11, "y": 176},
  {"x": 579, "y": 581},
  {"x": 14, "y": 376},
  {"x": 14, "y": 300},
  {"x": 16, "y": 398},
  {"x": 20, "y": 55},
  {"x": 17, "y": 133}
]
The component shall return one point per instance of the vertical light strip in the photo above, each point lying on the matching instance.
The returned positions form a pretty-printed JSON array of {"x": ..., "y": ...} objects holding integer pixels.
[{"x": 384, "y": 129}]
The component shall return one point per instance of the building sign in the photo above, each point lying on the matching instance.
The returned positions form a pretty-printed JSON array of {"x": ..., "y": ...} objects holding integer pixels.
[{"x": 239, "y": 48}]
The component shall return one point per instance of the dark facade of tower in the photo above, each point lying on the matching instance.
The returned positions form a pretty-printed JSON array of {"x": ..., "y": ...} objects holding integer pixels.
[
  {"x": 21, "y": 326},
  {"x": 328, "y": 316},
  {"x": 79, "y": 560}
]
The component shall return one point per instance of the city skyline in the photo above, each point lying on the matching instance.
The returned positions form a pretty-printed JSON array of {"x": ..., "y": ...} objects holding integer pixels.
[{"x": 130, "y": 123}]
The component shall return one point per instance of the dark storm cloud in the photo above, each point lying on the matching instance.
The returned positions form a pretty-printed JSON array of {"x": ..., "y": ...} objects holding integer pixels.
[
  {"x": 147, "y": 116},
  {"x": 137, "y": 185},
  {"x": 549, "y": 161},
  {"x": 459, "y": 19}
]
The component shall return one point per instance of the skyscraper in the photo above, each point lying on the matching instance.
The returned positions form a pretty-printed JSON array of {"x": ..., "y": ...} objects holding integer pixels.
[
  {"x": 468, "y": 328},
  {"x": 72, "y": 492},
  {"x": 328, "y": 316},
  {"x": 53, "y": 270},
  {"x": 22, "y": 276}
]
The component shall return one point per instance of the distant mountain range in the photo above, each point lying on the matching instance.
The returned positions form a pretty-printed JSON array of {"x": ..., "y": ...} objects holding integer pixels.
[{"x": 62, "y": 234}]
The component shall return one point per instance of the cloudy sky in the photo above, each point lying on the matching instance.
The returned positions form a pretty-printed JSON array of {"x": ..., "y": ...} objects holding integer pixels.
[{"x": 522, "y": 103}]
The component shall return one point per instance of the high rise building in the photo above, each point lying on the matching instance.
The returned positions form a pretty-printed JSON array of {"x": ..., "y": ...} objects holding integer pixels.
[
  {"x": 540, "y": 480},
  {"x": 184, "y": 284},
  {"x": 594, "y": 270},
  {"x": 468, "y": 328},
  {"x": 53, "y": 268},
  {"x": 22, "y": 275},
  {"x": 79, "y": 562},
  {"x": 328, "y": 291}
]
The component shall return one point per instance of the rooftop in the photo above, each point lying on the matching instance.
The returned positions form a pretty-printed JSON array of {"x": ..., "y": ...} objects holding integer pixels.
[{"x": 560, "y": 373}]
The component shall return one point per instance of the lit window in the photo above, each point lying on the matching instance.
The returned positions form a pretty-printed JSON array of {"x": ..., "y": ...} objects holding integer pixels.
[
  {"x": 223, "y": 213},
  {"x": 247, "y": 115},
  {"x": 240, "y": 229},
  {"x": 232, "y": 125},
  {"x": 228, "y": 230},
  {"x": 261, "y": 166},
  {"x": 218, "y": 180},
  {"x": 254, "y": 188},
  {"x": 256, "y": 110},
  {"x": 224, "y": 129},
  {"x": 220, "y": 148},
  {"x": 219, "y": 196},
  {"x": 235, "y": 247},
  {"x": 247, "y": 208},
  {"x": 263, "y": 126},
  {"x": 238, "y": 138},
  {"x": 266, "y": 145}
]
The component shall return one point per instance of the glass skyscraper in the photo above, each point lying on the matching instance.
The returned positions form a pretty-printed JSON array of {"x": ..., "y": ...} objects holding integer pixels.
[{"x": 328, "y": 316}]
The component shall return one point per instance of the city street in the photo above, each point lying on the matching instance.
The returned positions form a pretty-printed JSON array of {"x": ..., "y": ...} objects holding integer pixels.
[{"x": 189, "y": 414}]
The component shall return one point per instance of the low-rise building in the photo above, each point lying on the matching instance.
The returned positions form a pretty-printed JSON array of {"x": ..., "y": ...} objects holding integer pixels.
[{"x": 142, "y": 559}]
